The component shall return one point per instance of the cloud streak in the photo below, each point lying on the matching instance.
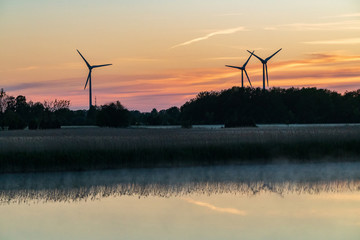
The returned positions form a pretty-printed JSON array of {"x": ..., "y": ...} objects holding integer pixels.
[
  {"x": 27, "y": 68},
  {"x": 220, "y": 32},
  {"x": 217, "y": 209},
  {"x": 336, "y": 42},
  {"x": 137, "y": 59},
  {"x": 326, "y": 26},
  {"x": 348, "y": 15},
  {"x": 229, "y": 14}
]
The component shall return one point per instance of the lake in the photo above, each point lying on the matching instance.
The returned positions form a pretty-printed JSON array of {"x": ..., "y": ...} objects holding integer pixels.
[{"x": 277, "y": 201}]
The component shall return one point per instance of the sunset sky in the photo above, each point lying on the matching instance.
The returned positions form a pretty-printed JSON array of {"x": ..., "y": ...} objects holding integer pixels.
[{"x": 165, "y": 52}]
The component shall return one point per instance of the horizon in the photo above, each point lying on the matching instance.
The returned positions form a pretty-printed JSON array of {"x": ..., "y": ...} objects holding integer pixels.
[
  {"x": 164, "y": 54},
  {"x": 160, "y": 109}
]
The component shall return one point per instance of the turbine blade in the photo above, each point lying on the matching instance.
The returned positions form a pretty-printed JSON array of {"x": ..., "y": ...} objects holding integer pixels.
[
  {"x": 267, "y": 59},
  {"x": 248, "y": 60},
  {"x": 248, "y": 78},
  {"x": 233, "y": 67},
  {"x": 252, "y": 53},
  {"x": 267, "y": 75},
  {"x": 96, "y": 66},
  {"x": 88, "y": 65},
  {"x": 87, "y": 80}
]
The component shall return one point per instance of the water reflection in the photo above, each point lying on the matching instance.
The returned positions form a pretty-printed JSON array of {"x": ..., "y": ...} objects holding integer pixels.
[{"x": 246, "y": 180}]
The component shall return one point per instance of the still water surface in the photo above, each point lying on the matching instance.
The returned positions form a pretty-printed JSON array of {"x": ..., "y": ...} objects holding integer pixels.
[{"x": 308, "y": 201}]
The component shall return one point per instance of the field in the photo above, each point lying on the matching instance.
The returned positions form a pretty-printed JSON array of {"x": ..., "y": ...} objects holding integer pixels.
[{"x": 108, "y": 148}]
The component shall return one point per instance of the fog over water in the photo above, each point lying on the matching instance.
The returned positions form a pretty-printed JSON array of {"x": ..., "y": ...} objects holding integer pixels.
[{"x": 175, "y": 182}]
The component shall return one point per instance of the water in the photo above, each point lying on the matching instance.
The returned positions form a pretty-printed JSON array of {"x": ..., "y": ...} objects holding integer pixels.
[
  {"x": 271, "y": 126},
  {"x": 312, "y": 125},
  {"x": 206, "y": 126},
  {"x": 308, "y": 201}
]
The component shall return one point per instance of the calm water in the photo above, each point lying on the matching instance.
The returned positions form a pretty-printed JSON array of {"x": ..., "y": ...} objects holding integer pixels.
[
  {"x": 272, "y": 126},
  {"x": 320, "y": 201}
]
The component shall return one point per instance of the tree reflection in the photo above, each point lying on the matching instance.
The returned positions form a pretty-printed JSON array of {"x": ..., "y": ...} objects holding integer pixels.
[{"x": 176, "y": 182}]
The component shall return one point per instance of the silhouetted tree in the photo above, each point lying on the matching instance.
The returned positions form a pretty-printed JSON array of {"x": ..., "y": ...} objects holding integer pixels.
[
  {"x": 137, "y": 118},
  {"x": 153, "y": 118},
  {"x": 172, "y": 116},
  {"x": 3, "y": 104},
  {"x": 113, "y": 115},
  {"x": 276, "y": 105},
  {"x": 15, "y": 113},
  {"x": 3, "y": 101}
]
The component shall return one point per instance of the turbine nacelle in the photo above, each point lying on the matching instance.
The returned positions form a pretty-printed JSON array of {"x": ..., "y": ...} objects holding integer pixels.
[
  {"x": 91, "y": 66},
  {"x": 242, "y": 71},
  {"x": 264, "y": 63},
  {"x": 260, "y": 59}
]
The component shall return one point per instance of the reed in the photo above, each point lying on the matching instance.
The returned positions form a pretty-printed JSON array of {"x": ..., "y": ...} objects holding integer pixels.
[{"x": 105, "y": 148}]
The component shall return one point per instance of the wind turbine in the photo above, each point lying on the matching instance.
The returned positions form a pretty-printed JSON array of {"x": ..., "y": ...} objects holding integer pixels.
[
  {"x": 243, "y": 70},
  {"x": 88, "y": 80},
  {"x": 264, "y": 62}
]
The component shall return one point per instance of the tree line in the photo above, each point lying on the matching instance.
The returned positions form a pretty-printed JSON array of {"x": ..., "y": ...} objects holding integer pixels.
[
  {"x": 233, "y": 107},
  {"x": 276, "y": 105},
  {"x": 18, "y": 113}
]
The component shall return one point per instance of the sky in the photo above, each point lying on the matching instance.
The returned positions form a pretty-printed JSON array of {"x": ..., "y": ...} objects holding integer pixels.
[{"x": 165, "y": 52}]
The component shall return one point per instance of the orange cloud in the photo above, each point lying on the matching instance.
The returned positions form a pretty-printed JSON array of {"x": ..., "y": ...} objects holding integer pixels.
[
  {"x": 325, "y": 26},
  {"x": 336, "y": 42}
]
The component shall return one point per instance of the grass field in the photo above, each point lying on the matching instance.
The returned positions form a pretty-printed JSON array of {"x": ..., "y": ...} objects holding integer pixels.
[{"x": 107, "y": 148}]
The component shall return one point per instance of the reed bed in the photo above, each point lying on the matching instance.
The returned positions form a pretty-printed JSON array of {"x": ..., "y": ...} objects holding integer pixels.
[{"x": 107, "y": 148}]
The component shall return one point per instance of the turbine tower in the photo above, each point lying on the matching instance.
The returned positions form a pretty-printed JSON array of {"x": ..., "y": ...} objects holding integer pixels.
[
  {"x": 88, "y": 80},
  {"x": 264, "y": 63},
  {"x": 243, "y": 70}
]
